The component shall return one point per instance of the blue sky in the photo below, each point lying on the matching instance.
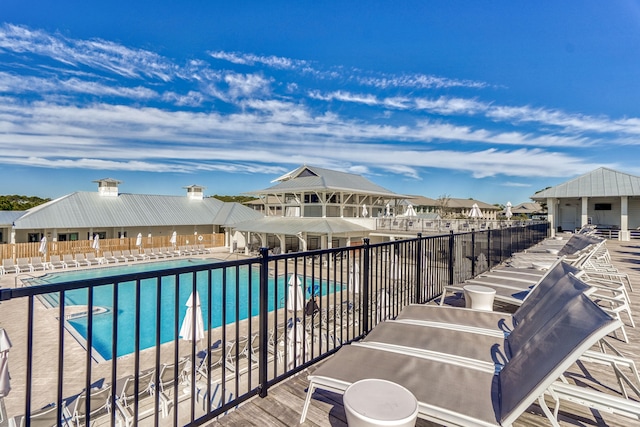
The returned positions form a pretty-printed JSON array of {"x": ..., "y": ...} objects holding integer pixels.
[{"x": 490, "y": 100}]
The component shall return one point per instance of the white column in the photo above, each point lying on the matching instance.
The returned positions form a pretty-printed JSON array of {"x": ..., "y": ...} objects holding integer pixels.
[
  {"x": 551, "y": 214},
  {"x": 624, "y": 219},
  {"x": 584, "y": 218}
]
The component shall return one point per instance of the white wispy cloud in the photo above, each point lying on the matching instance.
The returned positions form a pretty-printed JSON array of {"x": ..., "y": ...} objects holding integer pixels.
[
  {"x": 21, "y": 84},
  {"x": 247, "y": 85},
  {"x": 277, "y": 62},
  {"x": 417, "y": 81},
  {"x": 98, "y": 54}
]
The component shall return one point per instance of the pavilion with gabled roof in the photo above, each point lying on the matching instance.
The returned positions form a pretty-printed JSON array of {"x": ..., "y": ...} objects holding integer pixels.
[
  {"x": 604, "y": 197},
  {"x": 346, "y": 205}
]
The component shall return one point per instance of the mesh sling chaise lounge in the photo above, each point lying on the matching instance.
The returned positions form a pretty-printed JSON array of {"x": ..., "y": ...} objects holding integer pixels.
[
  {"x": 480, "y": 397},
  {"x": 513, "y": 292},
  {"x": 487, "y": 349}
]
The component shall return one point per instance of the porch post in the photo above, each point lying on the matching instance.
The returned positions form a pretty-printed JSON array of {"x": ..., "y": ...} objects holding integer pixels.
[
  {"x": 551, "y": 215},
  {"x": 624, "y": 235},
  {"x": 584, "y": 218}
]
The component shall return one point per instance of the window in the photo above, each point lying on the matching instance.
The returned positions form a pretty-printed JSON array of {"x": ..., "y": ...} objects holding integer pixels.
[
  {"x": 603, "y": 206},
  {"x": 70, "y": 237}
]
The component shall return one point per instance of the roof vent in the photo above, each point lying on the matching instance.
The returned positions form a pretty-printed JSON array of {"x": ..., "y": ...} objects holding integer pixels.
[
  {"x": 108, "y": 187},
  {"x": 195, "y": 192}
]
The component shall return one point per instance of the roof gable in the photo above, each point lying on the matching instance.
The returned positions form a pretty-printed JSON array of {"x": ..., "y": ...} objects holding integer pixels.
[
  {"x": 602, "y": 182},
  {"x": 309, "y": 178}
]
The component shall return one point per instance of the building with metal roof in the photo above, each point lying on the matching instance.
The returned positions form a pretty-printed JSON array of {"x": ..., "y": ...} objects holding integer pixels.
[
  {"x": 111, "y": 214},
  {"x": 604, "y": 197},
  {"x": 451, "y": 207},
  {"x": 316, "y": 208}
]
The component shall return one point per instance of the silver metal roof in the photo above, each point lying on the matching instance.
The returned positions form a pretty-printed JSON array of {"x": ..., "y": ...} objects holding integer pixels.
[
  {"x": 88, "y": 209},
  {"x": 8, "y": 217},
  {"x": 309, "y": 178},
  {"x": 602, "y": 182},
  {"x": 293, "y": 226}
]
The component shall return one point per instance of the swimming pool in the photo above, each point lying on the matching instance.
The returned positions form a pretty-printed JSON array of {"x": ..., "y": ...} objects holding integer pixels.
[{"x": 235, "y": 299}]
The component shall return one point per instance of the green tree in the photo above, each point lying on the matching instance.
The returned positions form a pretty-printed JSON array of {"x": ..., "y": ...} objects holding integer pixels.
[
  {"x": 238, "y": 199},
  {"x": 16, "y": 202}
]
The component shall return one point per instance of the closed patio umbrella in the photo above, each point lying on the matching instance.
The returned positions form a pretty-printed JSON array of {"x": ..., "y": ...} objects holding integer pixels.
[
  {"x": 43, "y": 245},
  {"x": 354, "y": 278},
  {"x": 365, "y": 212},
  {"x": 5, "y": 345},
  {"x": 187, "y": 328},
  {"x": 411, "y": 212},
  {"x": 173, "y": 239},
  {"x": 507, "y": 211},
  {"x": 139, "y": 239},
  {"x": 295, "y": 299},
  {"x": 96, "y": 242}
]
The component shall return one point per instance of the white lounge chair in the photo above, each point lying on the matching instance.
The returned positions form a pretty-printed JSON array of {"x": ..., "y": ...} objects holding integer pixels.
[
  {"x": 128, "y": 255},
  {"x": 24, "y": 265},
  {"x": 56, "y": 262},
  {"x": 43, "y": 417},
  {"x": 81, "y": 260},
  {"x": 138, "y": 255},
  {"x": 119, "y": 256},
  {"x": 8, "y": 266},
  {"x": 145, "y": 398},
  {"x": 149, "y": 253},
  {"x": 90, "y": 259},
  {"x": 170, "y": 377},
  {"x": 70, "y": 261},
  {"x": 38, "y": 264},
  {"x": 99, "y": 405},
  {"x": 109, "y": 257},
  {"x": 481, "y": 397}
]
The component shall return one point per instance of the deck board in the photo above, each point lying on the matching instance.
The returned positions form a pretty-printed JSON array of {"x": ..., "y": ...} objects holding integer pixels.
[{"x": 284, "y": 402}]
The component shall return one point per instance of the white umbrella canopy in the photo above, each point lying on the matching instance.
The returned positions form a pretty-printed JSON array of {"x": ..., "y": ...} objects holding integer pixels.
[
  {"x": 174, "y": 238},
  {"x": 5, "y": 345},
  {"x": 139, "y": 239},
  {"x": 43, "y": 245},
  {"x": 96, "y": 242},
  {"x": 475, "y": 211},
  {"x": 354, "y": 278},
  {"x": 295, "y": 299},
  {"x": 411, "y": 212},
  {"x": 187, "y": 327},
  {"x": 507, "y": 211},
  {"x": 388, "y": 210},
  {"x": 365, "y": 212}
]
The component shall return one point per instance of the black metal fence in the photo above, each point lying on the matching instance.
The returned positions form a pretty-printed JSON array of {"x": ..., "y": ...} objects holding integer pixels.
[{"x": 257, "y": 331}]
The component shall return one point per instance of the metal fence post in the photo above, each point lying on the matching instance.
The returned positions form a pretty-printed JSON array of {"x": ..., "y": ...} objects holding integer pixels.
[
  {"x": 418, "y": 292},
  {"x": 264, "y": 321},
  {"x": 451, "y": 257},
  {"x": 473, "y": 253},
  {"x": 489, "y": 266},
  {"x": 365, "y": 286}
]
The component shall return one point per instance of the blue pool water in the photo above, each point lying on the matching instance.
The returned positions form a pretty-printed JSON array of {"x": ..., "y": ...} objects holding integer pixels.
[{"x": 236, "y": 299}]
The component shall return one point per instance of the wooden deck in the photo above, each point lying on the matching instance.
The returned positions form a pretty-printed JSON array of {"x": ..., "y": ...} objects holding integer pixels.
[{"x": 284, "y": 403}]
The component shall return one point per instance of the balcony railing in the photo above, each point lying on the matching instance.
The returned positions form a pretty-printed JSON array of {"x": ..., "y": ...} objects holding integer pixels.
[{"x": 110, "y": 347}]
